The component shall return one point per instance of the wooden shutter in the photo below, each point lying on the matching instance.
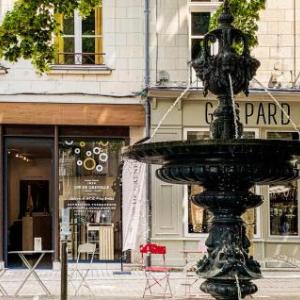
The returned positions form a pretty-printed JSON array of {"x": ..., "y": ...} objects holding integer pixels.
[
  {"x": 59, "y": 40},
  {"x": 98, "y": 33}
]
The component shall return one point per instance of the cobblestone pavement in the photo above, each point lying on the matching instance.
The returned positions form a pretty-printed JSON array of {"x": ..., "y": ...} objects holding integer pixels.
[{"x": 106, "y": 285}]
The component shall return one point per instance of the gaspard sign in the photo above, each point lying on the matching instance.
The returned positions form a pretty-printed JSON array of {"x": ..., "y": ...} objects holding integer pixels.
[{"x": 259, "y": 113}]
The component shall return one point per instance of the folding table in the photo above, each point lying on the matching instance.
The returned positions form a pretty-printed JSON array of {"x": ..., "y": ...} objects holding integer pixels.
[
  {"x": 32, "y": 268},
  {"x": 2, "y": 289}
]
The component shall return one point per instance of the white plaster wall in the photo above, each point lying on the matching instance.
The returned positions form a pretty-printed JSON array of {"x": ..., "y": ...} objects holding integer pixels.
[
  {"x": 277, "y": 36},
  {"x": 169, "y": 40},
  {"x": 123, "y": 44},
  {"x": 123, "y": 25}
]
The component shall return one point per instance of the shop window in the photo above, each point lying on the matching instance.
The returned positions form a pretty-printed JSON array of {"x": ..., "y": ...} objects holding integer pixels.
[
  {"x": 80, "y": 42},
  {"x": 29, "y": 196},
  {"x": 283, "y": 199},
  {"x": 89, "y": 180},
  {"x": 198, "y": 217}
]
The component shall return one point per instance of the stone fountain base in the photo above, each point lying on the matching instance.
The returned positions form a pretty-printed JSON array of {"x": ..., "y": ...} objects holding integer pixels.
[{"x": 228, "y": 290}]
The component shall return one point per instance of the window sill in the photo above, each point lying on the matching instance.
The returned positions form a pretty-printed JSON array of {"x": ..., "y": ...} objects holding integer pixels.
[
  {"x": 204, "y": 6},
  {"x": 80, "y": 70}
]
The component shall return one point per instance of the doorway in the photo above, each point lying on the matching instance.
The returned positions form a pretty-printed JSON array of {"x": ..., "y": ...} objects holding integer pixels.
[{"x": 28, "y": 197}]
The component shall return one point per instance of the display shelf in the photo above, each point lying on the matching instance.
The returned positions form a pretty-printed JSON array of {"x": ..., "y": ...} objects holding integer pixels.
[{"x": 103, "y": 236}]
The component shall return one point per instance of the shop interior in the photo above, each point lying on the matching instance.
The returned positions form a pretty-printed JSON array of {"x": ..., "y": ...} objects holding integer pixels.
[{"x": 29, "y": 174}]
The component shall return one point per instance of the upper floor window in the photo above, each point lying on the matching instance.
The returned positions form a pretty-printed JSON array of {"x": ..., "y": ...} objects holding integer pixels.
[
  {"x": 199, "y": 27},
  {"x": 81, "y": 39},
  {"x": 200, "y": 14}
]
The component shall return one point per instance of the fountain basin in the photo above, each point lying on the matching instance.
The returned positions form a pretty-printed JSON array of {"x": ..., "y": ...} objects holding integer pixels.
[{"x": 230, "y": 163}]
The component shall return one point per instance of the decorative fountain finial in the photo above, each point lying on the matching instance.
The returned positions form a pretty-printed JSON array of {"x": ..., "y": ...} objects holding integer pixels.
[
  {"x": 226, "y": 6},
  {"x": 226, "y": 16},
  {"x": 215, "y": 70}
]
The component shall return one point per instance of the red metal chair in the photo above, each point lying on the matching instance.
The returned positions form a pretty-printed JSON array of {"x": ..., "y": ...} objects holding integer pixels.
[{"x": 151, "y": 272}]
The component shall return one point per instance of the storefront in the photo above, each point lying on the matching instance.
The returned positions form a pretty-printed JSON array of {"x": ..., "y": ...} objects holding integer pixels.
[
  {"x": 57, "y": 161},
  {"x": 177, "y": 223}
]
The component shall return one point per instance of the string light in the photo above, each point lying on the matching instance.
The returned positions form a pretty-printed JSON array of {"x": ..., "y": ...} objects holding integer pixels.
[{"x": 20, "y": 156}]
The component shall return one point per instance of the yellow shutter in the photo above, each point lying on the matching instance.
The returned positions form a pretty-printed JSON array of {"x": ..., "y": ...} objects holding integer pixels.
[
  {"x": 98, "y": 38},
  {"x": 59, "y": 40}
]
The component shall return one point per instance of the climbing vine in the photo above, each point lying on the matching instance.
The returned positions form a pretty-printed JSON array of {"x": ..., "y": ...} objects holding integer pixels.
[{"x": 246, "y": 13}]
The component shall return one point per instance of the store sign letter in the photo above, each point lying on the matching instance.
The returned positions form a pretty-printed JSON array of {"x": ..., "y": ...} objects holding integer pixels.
[
  {"x": 262, "y": 113},
  {"x": 208, "y": 112}
]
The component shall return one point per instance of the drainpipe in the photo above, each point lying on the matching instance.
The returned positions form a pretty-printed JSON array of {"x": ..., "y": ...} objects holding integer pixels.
[
  {"x": 294, "y": 76},
  {"x": 148, "y": 124}
]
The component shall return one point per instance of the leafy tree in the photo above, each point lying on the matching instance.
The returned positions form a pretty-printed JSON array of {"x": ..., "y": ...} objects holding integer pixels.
[
  {"x": 27, "y": 30},
  {"x": 246, "y": 13}
]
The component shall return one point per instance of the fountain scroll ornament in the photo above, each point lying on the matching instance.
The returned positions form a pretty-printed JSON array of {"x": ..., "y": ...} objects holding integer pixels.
[{"x": 226, "y": 166}]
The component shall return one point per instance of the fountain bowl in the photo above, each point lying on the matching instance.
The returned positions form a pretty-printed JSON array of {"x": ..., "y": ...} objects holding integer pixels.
[{"x": 242, "y": 161}]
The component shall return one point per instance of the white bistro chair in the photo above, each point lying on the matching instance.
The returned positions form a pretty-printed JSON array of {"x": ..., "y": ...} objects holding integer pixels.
[
  {"x": 191, "y": 259},
  {"x": 89, "y": 249}
]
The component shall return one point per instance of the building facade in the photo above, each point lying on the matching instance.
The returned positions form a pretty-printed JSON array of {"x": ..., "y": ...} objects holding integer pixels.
[
  {"x": 61, "y": 133},
  {"x": 178, "y": 28}
]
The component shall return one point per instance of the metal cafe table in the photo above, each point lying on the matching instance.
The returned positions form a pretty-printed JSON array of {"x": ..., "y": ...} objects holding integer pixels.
[{"x": 32, "y": 268}]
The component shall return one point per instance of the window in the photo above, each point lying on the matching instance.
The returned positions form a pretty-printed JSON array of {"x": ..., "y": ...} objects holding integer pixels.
[
  {"x": 199, "y": 27},
  {"x": 81, "y": 39},
  {"x": 89, "y": 187},
  {"x": 283, "y": 199},
  {"x": 198, "y": 218},
  {"x": 200, "y": 12}
]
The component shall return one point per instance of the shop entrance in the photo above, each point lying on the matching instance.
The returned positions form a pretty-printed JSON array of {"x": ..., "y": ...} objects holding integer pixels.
[{"x": 28, "y": 196}]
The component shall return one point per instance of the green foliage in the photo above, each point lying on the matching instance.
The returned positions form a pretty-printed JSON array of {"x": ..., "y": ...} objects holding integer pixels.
[
  {"x": 27, "y": 30},
  {"x": 246, "y": 13}
]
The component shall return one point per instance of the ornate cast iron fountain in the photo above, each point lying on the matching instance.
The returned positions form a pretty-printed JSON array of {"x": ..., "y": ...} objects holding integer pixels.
[{"x": 227, "y": 166}]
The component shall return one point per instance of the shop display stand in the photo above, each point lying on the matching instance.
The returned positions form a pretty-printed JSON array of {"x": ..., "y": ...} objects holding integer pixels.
[
  {"x": 93, "y": 237},
  {"x": 103, "y": 236}
]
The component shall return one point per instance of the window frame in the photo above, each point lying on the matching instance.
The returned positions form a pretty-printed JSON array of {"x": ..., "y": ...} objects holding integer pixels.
[
  {"x": 78, "y": 40},
  {"x": 198, "y": 236},
  {"x": 198, "y": 7},
  {"x": 282, "y": 237}
]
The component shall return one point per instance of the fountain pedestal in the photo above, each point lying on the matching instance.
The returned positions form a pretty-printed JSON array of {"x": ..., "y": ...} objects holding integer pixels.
[{"x": 228, "y": 265}]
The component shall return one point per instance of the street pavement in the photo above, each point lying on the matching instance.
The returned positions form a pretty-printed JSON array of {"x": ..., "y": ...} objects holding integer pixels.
[{"x": 107, "y": 285}]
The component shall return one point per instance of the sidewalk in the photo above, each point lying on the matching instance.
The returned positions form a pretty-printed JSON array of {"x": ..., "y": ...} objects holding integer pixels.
[{"x": 106, "y": 285}]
